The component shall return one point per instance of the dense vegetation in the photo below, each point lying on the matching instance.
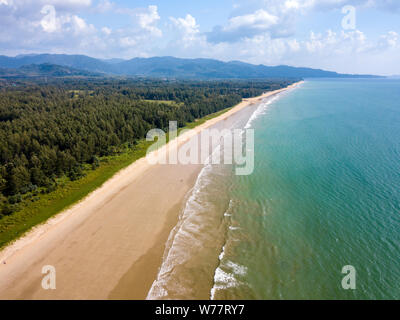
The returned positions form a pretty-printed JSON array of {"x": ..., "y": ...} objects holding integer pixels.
[{"x": 57, "y": 131}]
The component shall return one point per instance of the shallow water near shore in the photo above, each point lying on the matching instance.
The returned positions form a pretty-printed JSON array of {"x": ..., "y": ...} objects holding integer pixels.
[
  {"x": 192, "y": 250},
  {"x": 325, "y": 193}
]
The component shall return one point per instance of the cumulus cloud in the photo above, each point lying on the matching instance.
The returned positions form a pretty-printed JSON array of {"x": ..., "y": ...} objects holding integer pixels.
[
  {"x": 106, "y": 31},
  {"x": 349, "y": 43},
  {"x": 260, "y": 20},
  {"x": 139, "y": 38},
  {"x": 332, "y": 43},
  {"x": 388, "y": 5},
  {"x": 49, "y": 21},
  {"x": 53, "y": 25},
  {"x": 389, "y": 40},
  {"x": 67, "y": 4},
  {"x": 341, "y": 51},
  {"x": 57, "y": 26},
  {"x": 187, "y": 29},
  {"x": 61, "y": 5},
  {"x": 244, "y": 26},
  {"x": 105, "y": 6},
  {"x": 148, "y": 18},
  {"x": 276, "y": 17}
]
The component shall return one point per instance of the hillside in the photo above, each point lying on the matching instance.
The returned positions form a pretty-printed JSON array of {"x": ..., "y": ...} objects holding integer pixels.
[
  {"x": 46, "y": 69},
  {"x": 170, "y": 67}
]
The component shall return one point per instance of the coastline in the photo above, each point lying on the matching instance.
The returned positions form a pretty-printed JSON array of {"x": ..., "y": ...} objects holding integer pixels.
[{"x": 111, "y": 241}]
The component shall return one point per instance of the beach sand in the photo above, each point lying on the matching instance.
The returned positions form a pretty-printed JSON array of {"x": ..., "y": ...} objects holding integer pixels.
[{"x": 110, "y": 245}]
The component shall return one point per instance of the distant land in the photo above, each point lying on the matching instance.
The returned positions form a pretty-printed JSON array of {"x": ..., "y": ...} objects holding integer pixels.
[
  {"x": 156, "y": 67},
  {"x": 45, "y": 70}
]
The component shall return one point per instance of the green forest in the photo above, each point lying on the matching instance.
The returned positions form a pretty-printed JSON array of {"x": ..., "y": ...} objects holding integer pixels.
[{"x": 59, "y": 130}]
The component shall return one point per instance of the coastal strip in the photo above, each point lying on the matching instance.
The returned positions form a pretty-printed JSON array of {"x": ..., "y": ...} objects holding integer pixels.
[{"x": 121, "y": 226}]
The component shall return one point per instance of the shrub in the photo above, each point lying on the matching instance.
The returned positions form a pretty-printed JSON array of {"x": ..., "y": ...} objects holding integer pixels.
[{"x": 15, "y": 199}]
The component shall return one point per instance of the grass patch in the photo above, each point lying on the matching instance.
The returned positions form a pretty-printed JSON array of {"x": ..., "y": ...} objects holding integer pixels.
[
  {"x": 38, "y": 209},
  {"x": 168, "y": 102}
]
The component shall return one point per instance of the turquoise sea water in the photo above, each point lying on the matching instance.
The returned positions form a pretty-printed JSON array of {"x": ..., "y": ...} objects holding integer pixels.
[{"x": 325, "y": 193}]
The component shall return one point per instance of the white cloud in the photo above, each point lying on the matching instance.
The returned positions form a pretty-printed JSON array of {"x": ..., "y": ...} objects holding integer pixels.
[
  {"x": 188, "y": 30},
  {"x": 65, "y": 23},
  {"x": 338, "y": 51},
  {"x": 389, "y": 40},
  {"x": 292, "y": 4},
  {"x": 260, "y": 20},
  {"x": 70, "y": 3},
  {"x": 148, "y": 18},
  {"x": 80, "y": 26},
  {"x": 106, "y": 31},
  {"x": 330, "y": 4},
  {"x": 277, "y": 17},
  {"x": 332, "y": 43},
  {"x": 105, "y": 6},
  {"x": 294, "y": 45},
  {"x": 244, "y": 26},
  {"x": 128, "y": 42},
  {"x": 58, "y": 27},
  {"x": 49, "y": 21},
  {"x": 27, "y": 6}
]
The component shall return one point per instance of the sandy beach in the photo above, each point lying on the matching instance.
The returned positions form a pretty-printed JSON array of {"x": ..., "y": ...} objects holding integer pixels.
[{"x": 109, "y": 245}]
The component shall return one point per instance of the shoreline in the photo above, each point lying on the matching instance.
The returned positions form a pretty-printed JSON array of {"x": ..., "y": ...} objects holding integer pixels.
[{"x": 118, "y": 230}]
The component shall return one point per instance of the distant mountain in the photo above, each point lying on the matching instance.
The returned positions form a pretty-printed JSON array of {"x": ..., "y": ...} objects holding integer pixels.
[
  {"x": 170, "y": 67},
  {"x": 113, "y": 61},
  {"x": 73, "y": 61},
  {"x": 46, "y": 69},
  {"x": 213, "y": 69}
]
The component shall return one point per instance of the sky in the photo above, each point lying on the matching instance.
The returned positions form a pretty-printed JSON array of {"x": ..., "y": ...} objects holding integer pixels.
[{"x": 348, "y": 36}]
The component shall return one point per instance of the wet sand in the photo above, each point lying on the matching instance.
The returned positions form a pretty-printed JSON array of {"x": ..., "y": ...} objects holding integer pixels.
[{"x": 110, "y": 245}]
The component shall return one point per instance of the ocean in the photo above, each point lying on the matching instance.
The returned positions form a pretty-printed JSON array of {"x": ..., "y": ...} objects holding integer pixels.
[{"x": 324, "y": 194}]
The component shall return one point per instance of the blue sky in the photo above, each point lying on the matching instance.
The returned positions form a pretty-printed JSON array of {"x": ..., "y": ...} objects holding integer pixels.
[{"x": 307, "y": 33}]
